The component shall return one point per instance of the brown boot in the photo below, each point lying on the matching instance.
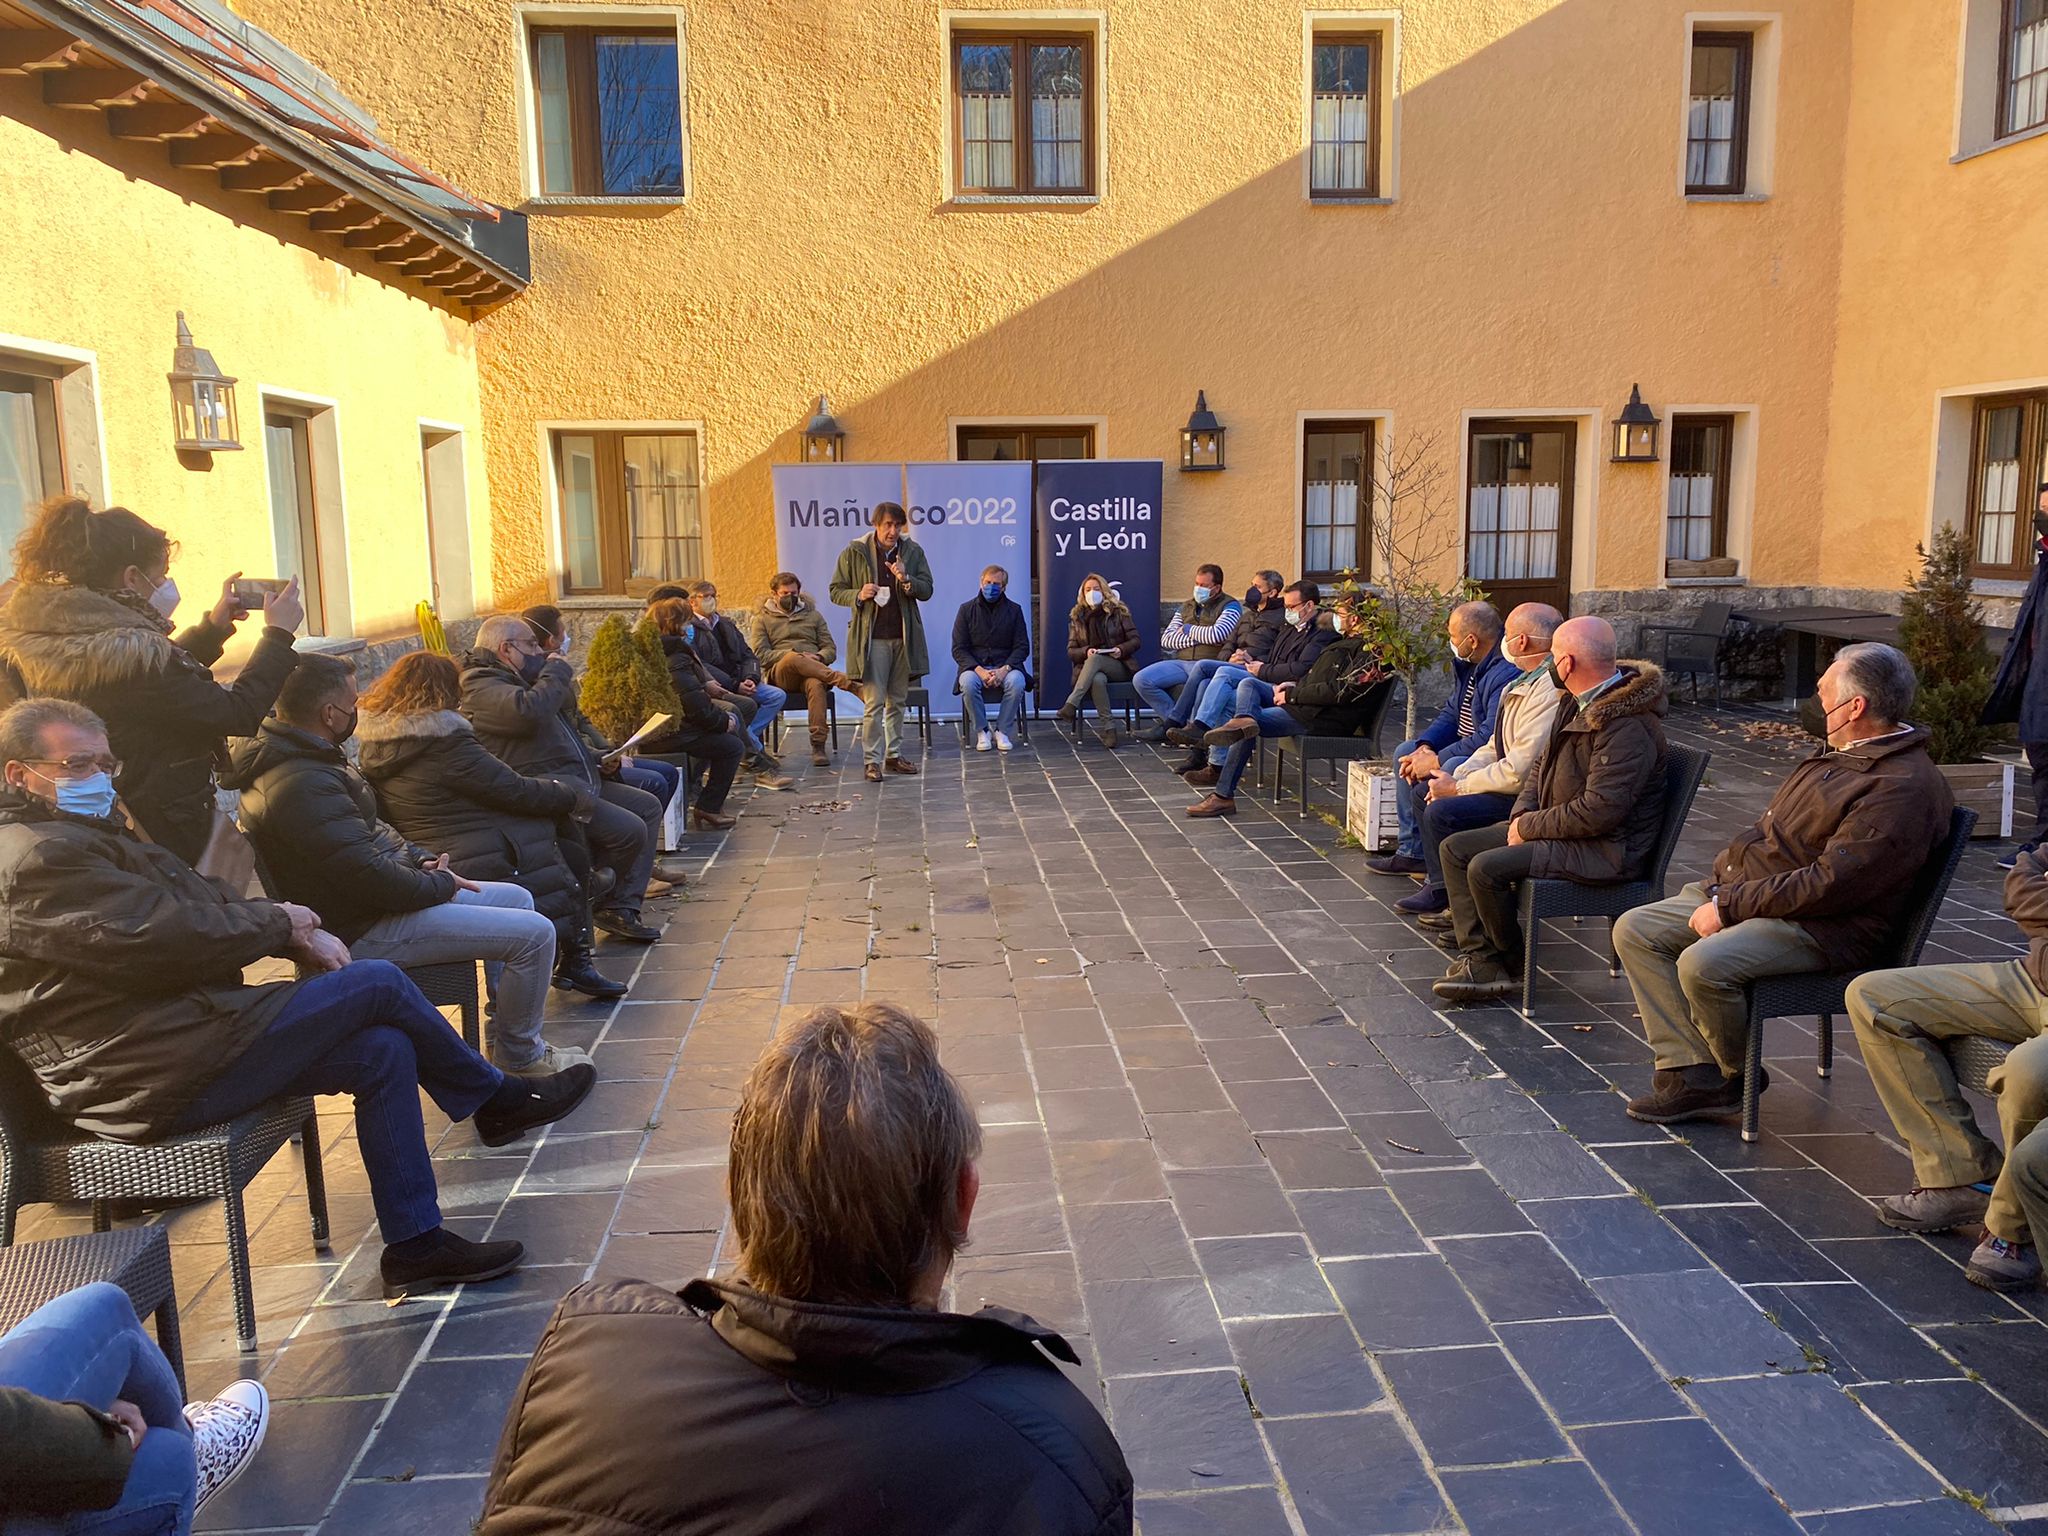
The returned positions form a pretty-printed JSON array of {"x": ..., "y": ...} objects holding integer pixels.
[
  {"x": 900, "y": 765},
  {"x": 1231, "y": 732},
  {"x": 1204, "y": 776},
  {"x": 709, "y": 821},
  {"x": 818, "y": 757},
  {"x": 845, "y": 684},
  {"x": 1213, "y": 805},
  {"x": 874, "y": 773}
]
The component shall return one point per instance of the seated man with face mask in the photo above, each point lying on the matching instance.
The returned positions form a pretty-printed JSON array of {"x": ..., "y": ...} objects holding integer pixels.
[
  {"x": 991, "y": 643},
  {"x": 1819, "y": 883},
  {"x": 314, "y": 822}
]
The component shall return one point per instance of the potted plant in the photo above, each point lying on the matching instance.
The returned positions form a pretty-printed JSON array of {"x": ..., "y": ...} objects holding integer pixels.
[
  {"x": 626, "y": 679},
  {"x": 1941, "y": 630}
]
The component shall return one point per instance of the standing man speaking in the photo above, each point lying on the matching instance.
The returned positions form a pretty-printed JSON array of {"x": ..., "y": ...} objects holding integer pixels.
[
  {"x": 2019, "y": 694},
  {"x": 883, "y": 578}
]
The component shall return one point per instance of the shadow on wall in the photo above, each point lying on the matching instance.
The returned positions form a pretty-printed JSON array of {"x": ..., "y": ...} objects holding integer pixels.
[{"x": 1533, "y": 277}]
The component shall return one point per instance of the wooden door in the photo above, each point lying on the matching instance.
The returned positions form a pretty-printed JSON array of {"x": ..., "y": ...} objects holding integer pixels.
[{"x": 1518, "y": 511}]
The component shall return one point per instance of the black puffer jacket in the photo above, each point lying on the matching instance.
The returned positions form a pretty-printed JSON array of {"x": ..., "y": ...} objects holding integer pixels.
[
  {"x": 167, "y": 719},
  {"x": 314, "y": 822},
  {"x": 1290, "y": 658},
  {"x": 438, "y": 786},
  {"x": 687, "y": 671},
  {"x": 530, "y": 727},
  {"x": 725, "y": 652},
  {"x": 121, "y": 970},
  {"x": 725, "y": 1412},
  {"x": 1343, "y": 690}
]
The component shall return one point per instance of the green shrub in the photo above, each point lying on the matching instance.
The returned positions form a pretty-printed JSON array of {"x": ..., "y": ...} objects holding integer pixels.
[
  {"x": 622, "y": 682},
  {"x": 1941, "y": 632}
]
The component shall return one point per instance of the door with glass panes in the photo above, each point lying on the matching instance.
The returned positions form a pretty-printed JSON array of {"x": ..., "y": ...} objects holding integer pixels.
[{"x": 1518, "y": 511}]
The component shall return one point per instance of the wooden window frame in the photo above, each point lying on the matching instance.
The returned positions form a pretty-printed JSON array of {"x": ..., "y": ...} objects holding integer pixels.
[
  {"x": 586, "y": 126},
  {"x": 2007, "y": 14},
  {"x": 1744, "y": 44},
  {"x": 45, "y": 380},
  {"x": 1020, "y": 76},
  {"x": 1366, "y": 426},
  {"x": 1028, "y": 432},
  {"x": 1723, "y": 472},
  {"x": 614, "y": 521},
  {"x": 1374, "y": 43},
  {"x": 2033, "y": 445}
]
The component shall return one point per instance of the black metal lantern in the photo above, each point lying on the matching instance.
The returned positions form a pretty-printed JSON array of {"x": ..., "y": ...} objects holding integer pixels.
[
  {"x": 1201, "y": 440},
  {"x": 824, "y": 438},
  {"x": 1635, "y": 431},
  {"x": 202, "y": 399}
]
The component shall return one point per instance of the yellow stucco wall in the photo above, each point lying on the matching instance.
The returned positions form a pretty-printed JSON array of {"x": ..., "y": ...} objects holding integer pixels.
[
  {"x": 100, "y": 255},
  {"x": 1941, "y": 290},
  {"x": 1539, "y": 256}
]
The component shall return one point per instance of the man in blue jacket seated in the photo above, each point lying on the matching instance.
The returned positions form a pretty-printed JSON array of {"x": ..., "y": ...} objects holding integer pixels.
[
  {"x": 1480, "y": 673},
  {"x": 990, "y": 646},
  {"x": 819, "y": 1386},
  {"x": 1236, "y": 692}
]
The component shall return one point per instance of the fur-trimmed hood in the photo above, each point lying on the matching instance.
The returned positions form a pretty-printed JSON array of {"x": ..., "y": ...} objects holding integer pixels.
[
  {"x": 1641, "y": 692},
  {"x": 386, "y": 742},
  {"x": 769, "y": 607},
  {"x": 71, "y": 641}
]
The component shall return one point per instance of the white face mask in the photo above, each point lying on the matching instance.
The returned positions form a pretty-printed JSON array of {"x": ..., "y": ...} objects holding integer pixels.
[
  {"x": 567, "y": 641},
  {"x": 881, "y": 597},
  {"x": 1297, "y": 617},
  {"x": 1094, "y": 599},
  {"x": 165, "y": 598},
  {"x": 707, "y": 606},
  {"x": 1341, "y": 622},
  {"x": 1202, "y": 594}
]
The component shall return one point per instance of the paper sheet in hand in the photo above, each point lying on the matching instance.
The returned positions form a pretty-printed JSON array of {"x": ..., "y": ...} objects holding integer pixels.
[{"x": 655, "y": 726}]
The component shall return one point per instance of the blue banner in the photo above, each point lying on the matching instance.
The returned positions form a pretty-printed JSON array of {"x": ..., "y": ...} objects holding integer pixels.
[
  {"x": 967, "y": 517},
  {"x": 1095, "y": 517},
  {"x": 819, "y": 510}
]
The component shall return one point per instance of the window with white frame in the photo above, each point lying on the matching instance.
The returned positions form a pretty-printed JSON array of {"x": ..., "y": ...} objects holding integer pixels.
[{"x": 1696, "y": 503}]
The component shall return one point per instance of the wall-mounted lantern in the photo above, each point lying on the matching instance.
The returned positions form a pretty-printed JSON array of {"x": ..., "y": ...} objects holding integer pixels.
[
  {"x": 1635, "y": 431},
  {"x": 1201, "y": 440},
  {"x": 202, "y": 399},
  {"x": 824, "y": 438}
]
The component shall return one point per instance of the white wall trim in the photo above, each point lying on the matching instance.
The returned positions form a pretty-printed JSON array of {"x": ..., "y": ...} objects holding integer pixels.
[
  {"x": 1382, "y": 420},
  {"x": 1592, "y": 439},
  {"x": 526, "y": 16},
  {"x": 551, "y": 495},
  {"x": 75, "y": 357},
  {"x": 1761, "y": 157},
  {"x": 326, "y": 411},
  {"x": 1950, "y": 445},
  {"x": 1385, "y": 26},
  {"x": 1096, "y": 24}
]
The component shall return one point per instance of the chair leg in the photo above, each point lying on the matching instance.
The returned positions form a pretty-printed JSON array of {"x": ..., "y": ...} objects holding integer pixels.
[
  {"x": 238, "y": 1270},
  {"x": 102, "y": 1218},
  {"x": 1302, "y": 815},
  {"x": 170, "y": 1340},
  {"x": 316, "y": 1179},
  {"x": 1613, "y": 954},
  {"x": 1531, "y": 926},
  {"x": 1752, "y": 1075},
  {"x": 1826, "y": 1065}
]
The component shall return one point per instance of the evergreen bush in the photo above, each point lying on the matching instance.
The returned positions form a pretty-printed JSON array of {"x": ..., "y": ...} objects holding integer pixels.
[
  {"x": 622, "y": 683},
  {"x": 1940, "y": 630}
]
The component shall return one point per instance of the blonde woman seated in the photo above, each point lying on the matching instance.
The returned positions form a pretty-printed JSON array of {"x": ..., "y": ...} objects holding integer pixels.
[{"x": 1102, "y": 641}]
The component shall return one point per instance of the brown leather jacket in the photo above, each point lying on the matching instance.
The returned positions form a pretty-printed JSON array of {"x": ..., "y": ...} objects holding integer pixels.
[
  {"x": 2026, "y": 898},
  {"x": 1596, "y": 798},
  {"x": 1840, "y": 845}
]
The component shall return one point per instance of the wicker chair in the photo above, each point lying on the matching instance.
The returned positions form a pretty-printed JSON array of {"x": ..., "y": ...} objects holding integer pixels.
[
  {"x": 1362, "y": 745},
  {"x": 43, "y": 1160},
  {"x": 1121, "y": 696},
  {"x": 1684, "y": 767},
  {"x": 1822, "y": 993},
  {"x": 453, "y": 986}
]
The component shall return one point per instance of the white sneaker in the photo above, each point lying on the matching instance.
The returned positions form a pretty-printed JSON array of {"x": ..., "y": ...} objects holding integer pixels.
[
  {"x": 552, "y": 1059},
  {"x": 981, "y": 743},
  {"x": 227, "y": 1433},
  {"x": 1002, "y": 742}
]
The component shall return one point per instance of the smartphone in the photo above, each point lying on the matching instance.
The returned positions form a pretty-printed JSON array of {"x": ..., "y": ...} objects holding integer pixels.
[{"x": 251, "y": 592}]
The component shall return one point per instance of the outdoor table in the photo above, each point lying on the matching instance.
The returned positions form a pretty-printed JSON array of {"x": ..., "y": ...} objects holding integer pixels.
[
  {"x": 137, "y": 1259},
  {"x": 1805, "y": 628}
]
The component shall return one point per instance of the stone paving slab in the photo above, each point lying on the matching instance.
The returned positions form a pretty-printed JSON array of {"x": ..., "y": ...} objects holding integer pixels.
[{"x": 1334, "y": 1260}]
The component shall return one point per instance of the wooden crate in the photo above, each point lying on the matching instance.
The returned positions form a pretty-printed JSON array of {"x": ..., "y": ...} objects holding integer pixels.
[
  {"x": 1371, "y": 812},
  {"x": 1985, "y": 788}
]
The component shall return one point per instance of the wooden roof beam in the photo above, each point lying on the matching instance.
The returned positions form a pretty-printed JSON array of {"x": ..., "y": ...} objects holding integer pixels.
[
  {"x": 36, "y": 48},
  {"x": 350, "y": 215},
  {"x": 313, "y": 196},
  {"x": 154, "y": 121},
  {"x": 384, "y": 235},
  {"x": 265, "y": 173},
  {"x": 213, "y": 151},
  {"x": 100, "y": 88}
]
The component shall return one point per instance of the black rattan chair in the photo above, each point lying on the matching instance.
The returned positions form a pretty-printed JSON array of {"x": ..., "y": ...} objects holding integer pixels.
[
  {"x": 1362, "y": 745},
  {"x": 1121, "y": 695},
  {"x": 453, "y": 986},
  {"x": 1692, "y": 651},
  {"x": 137, "y": 1259},
  {"x": 1684, "y": 767},
  {"x": 1822, "y": 993},
  {"x": 42, "y": 1160}
]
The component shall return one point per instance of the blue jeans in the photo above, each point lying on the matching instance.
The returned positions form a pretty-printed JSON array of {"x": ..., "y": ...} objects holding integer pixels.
[
  {"x": 653, "y": 778},
  {"x": 770, "y": 699},
  {"x": 87, "y": 1347},
  {"x": 366, "y": 1031},
  {"x": 1440, "y": 818},
  {"x": 1404, "y": 805},
  {"x": 1152, "y": 683},
  {"x": 1273, "y": 721},
  {"x": 973, "y": 692},
  {"x": 1234, "y": 692},
  {"x": 1199, "y": 677}
]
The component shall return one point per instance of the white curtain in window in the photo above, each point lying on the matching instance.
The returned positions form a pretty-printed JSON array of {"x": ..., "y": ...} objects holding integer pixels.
[
  {"x": 1338, "y": 141},
  {"x": 1998, "y": 518},
  {"x": 1690, "y": 518},
  {"x": 1056, "y": 141},
  {"x": 557, "y": 172},
  {"x": 988, "y": 135},
  {"x": 1710, "y": 141},
  {"x": 661, "y": 507},
  {"x": 1513, "y": 532},
  {"x": 21, "y": 466}
]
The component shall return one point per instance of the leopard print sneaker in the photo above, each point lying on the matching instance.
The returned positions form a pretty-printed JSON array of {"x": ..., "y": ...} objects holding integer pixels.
[{"x": 227, "y": 1433}]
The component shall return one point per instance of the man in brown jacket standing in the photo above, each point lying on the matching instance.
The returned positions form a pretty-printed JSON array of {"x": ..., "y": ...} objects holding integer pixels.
[
  {"x": 1904, "y": 1019},
  {"x": 1820, "y": 883},
  {"x": 1589, "y": 812}
]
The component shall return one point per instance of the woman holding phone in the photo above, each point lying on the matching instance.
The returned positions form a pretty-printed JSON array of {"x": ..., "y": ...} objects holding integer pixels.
[
  {"x": 90, "y": 621},
  {"x": 1102, "y": 639}
]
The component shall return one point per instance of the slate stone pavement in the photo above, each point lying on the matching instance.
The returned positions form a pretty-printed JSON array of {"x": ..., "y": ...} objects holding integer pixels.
[{"x": 1336, "y": 1262}]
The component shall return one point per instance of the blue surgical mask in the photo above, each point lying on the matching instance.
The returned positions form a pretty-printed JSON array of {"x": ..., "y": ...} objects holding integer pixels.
[
  {"x": 91, "y": 796},
  {"x": 690, "y": 633},
  {"x": 1203, "y": 594},
  {"x": 991, "y": 590}
]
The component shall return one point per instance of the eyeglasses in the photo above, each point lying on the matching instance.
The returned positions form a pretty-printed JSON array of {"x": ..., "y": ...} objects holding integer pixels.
[{"x": 80, "y": 764}]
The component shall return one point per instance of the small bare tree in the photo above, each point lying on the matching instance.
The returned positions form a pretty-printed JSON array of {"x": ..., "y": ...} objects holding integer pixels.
[{"x": 1405, "y": 602}]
